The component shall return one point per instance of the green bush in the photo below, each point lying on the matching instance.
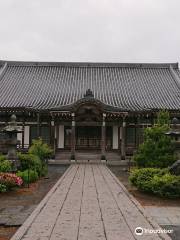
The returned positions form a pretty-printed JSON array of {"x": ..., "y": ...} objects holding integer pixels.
[
  {"x": 35, "y": 158},
  {"x": 30, "y": 161},
  {"x": 166, "y": 186},
  {"x": 44, "y": 170},
  {"x": 3, "y": 188},
  {"x": 33, "y": 176},
  {"x": 157, "y": 181},
  {"x": 40, "y": 149},
  {"x": 5, "y": 165},
  {"x": 139, "y": 176},
  {"x": 2, "y": 158},
  {"x": 158, "y": 149}
]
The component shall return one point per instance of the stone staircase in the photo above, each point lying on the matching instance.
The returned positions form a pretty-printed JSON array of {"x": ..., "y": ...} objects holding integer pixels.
[
  {"x": 88, "y": 156},
  {"x": 85, "y": 156},
  {"x": 113, "y": 156},
  {"x": 63, "y": 155}
]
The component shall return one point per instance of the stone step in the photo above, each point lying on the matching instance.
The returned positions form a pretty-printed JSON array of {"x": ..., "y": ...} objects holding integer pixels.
[
  {"x": 88, "y": 157},
  {"x": 62, "y": 155},
  {"x": 113, "y": 156},
  {"x": 59, "y": 162}
]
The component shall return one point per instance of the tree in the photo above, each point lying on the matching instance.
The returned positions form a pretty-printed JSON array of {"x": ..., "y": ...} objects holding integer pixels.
[{"x": 157, "y": 149}]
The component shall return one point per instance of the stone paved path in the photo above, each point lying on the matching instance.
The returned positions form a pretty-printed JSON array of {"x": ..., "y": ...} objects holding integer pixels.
[{"x": 87, "y": 203}]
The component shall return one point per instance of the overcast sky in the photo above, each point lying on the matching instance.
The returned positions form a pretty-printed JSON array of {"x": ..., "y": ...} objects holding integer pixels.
[{"x": 90, "y": 30}]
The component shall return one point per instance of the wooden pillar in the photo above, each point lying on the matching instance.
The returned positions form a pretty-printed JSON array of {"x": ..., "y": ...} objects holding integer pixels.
[
  {"x": 103, "y": 138},
  {"x": 57, "y": 136},
  {"x": 38, "y": 125},
  {"x": 52, "y": 135},
  {"x": 23, "y": 135},
  {"x": 119, "y": 140},
  {"x": 123, "y": 140},
  {"x": 23, "y": 124},
  {"x": 73, "y": 137}
]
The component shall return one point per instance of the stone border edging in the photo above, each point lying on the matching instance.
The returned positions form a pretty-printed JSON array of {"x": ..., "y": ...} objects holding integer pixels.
[{"x": 22, "y": 230}]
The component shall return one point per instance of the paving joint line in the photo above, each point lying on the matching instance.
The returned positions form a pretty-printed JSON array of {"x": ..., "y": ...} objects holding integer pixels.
[
  {"x": 116, "y": 203},
  {"x": 81, "y": 203},
  {"x": 63, "y": 202},
  {"x": 99, "y": 204}
]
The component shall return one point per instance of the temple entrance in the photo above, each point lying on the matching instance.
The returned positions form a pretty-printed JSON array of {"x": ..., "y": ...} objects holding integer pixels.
[{"x": 88, "y": 137}]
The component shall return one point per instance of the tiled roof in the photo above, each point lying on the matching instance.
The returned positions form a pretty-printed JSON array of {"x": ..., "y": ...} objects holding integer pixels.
[{"x": 132, "y": 87}]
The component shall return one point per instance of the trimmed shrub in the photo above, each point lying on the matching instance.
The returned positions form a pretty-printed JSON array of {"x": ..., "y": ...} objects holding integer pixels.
[
  {"x": 5, "y": 165},
  {"x": 33, "y": 176},
  {"x": 139, "y": 176},
  {"x": 157, "y": 181},
  {"x": 166, "y": 186}
]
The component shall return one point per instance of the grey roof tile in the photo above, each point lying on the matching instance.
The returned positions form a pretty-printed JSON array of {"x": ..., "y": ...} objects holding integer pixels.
[{"x": 126, "y": 86}]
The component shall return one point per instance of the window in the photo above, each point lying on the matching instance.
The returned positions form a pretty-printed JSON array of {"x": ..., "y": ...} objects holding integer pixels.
[
  {"x": 44, "y": 133},
  {"x": 130, "y": 136}
]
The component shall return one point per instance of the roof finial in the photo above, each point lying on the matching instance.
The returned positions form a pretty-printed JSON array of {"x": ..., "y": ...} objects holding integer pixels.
[{"x": 89, "y": 93}]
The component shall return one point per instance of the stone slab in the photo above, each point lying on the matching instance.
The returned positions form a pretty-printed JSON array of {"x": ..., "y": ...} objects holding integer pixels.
[{"x": 88, "y": 203}]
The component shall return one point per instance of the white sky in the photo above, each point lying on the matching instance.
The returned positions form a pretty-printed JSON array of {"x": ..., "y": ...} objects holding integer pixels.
[{"x": 90, "y": 30}]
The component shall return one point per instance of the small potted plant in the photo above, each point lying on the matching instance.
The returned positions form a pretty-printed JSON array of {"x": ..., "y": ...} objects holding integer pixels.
[
  {"x": 103, "y": 158},
  {"x": 72, "y": 158}
]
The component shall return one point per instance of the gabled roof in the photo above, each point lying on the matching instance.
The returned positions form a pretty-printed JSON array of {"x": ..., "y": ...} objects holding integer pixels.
[{"x": 125, "y": 86}]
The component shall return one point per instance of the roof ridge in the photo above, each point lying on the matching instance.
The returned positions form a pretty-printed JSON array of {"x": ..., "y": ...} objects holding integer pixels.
[
  {"x": 175, "y": 76},
  {"x": 91, "y": 64},
  {"x": 2, "y": 71}
]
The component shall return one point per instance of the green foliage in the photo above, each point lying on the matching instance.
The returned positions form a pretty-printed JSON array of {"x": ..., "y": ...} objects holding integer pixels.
[
  {"x": 5, "y": 165},
  {"x": 163, "y": 118},
  {"x": 3, "y": 188},
  {"x": 34, "y": 161},
  {"x": 44, "y": 170},
  {"x": 157, "y": 149},
  {"x": 40, "y": 149},
  {"x": 33, "y": 176},
  {"x": 166, "y": 186},
  {"x": 157, "y": 181},
  {"x": 144, "y": 174},
  {"x": 2, "y": 158},
  {"x": 30, "y": 161}
]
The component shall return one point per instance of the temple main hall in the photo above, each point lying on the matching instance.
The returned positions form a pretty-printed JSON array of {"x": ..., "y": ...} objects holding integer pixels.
[{"x": 79, "y": 107}]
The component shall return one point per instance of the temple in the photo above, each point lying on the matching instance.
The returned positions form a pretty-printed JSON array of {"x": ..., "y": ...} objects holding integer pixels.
[{"x": 76, "y": 107}]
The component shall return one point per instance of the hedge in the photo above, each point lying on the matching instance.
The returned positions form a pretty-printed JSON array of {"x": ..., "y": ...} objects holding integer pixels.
[{"x": 157, "y": 181}]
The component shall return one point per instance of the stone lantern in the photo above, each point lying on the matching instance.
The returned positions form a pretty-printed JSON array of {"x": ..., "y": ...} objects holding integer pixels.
[
  {"x": 174, "y": 133},
  {"x": 11, "y": 131}
]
